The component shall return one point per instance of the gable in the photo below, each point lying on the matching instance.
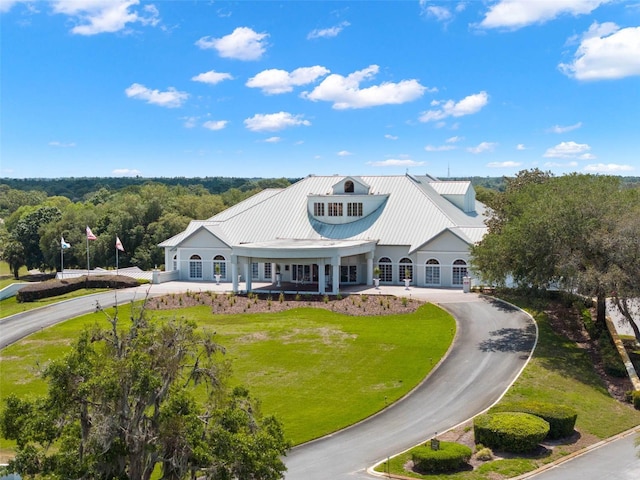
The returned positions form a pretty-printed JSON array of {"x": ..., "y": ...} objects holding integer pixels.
[
  {"x": 350, "y": 185},
  {"x": 202, "y": 238},
  {"x": 445, "y": 241}
]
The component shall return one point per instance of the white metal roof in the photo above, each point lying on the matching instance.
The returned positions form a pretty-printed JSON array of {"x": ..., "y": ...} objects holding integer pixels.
[{"x": 413, "y": 214}]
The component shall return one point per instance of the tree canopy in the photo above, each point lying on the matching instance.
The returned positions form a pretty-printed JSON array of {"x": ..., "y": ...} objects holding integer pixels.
[
  {"x": 576, "y": 231},
  {"x": 141, "y": 214},
  {"x": 127, "y": 401}
]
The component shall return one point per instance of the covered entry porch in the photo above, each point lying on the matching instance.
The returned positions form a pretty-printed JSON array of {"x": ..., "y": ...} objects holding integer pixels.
[{"x": 305, "y": 265}]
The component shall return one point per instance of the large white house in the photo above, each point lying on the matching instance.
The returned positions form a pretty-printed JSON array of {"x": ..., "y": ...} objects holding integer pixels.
[{"x": 331, "y": 231}]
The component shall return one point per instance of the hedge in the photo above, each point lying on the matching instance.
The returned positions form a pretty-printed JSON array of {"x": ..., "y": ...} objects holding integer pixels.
[
  {"x": 53, "y": 288},
  {"x": 449, "y": 457},
  {"x": 515, "y": 432},
  {"x": 561, "y": 418}
]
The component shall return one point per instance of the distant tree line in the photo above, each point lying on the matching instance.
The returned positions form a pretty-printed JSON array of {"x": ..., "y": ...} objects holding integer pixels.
[
  {"x": 33, "y": 222},
  {"x": 76, "y": 189}
]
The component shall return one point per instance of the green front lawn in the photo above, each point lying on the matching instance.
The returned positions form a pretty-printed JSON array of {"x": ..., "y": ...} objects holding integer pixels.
[{"x": 317, "y": 370}]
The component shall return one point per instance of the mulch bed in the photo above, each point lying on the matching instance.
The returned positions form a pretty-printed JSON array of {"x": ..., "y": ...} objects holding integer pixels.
[{"x": 227, "y": 303}]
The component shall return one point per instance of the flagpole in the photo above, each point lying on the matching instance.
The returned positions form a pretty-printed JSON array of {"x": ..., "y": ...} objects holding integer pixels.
[
  {"x": 87, "y": 255},
  {"x": 61, "y": 261},
  {"x": 116, "y": 260}
]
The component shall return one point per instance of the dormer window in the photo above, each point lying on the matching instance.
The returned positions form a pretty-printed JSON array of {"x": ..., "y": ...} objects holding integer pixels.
[{"x": 348, "y": 187}]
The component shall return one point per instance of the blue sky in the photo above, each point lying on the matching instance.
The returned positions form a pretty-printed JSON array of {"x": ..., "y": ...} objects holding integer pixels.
[{"x": 292, "y": 88}]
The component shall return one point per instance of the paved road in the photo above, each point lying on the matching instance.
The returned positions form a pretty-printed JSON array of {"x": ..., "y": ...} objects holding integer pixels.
[
  {"x": 17, "y": 326},
  {"x": 492, "y": 345},
  {"x": 611, "y": 460}
]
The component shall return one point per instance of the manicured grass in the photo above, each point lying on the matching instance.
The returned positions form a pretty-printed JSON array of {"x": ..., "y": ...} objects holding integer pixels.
[
  {"x": 317, "y": 370},
  {"x": 559, "y": 372},
  {"x": 6, "y": 277},
  {"x": 10, "y": 306}
]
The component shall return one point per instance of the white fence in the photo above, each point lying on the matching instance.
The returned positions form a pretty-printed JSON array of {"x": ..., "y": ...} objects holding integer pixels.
[
  {"x": 11, "y": 290},
  {"x": 133, "y": 272}
]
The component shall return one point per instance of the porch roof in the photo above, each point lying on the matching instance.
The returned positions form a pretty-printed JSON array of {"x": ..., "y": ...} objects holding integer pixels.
[{"x": 304, "y": 248}]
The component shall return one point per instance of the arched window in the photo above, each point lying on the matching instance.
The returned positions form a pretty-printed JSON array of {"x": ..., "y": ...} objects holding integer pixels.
[
  {"x": 195, "y": 266},
  {"x": 175, "y": 262},
  {"x": 459, "y": 272},
  {"x": 220, "y": 266},
  {"x": 348, "y": 186},
  {"x": 386, "y": 270},
  {"x": 432, "y": 272},
  {"x": 406, "y": 268}
]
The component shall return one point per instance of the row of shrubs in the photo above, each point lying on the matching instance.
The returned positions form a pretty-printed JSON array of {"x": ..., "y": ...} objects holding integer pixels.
[
  {"x": 516, "y": 427},
  {"x": 520, "y": 427},
  {"x": 53, "y": 288}
]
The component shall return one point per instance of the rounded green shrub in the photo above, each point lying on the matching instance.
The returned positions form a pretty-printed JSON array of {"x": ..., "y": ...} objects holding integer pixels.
[
  {"x": 635, "y": 397},
  {"x": 515, "y": 432},
  {"x": 449, "y": 457},
  {"x": 561, "y": 418}
]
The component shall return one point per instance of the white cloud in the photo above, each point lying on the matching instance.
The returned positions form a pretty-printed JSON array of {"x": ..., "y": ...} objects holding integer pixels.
[
  {"x": 440, "y": 148},
  {"x": 275, "y": 81},
  {"x": 6, "y": 5},
  {"x": 391, "y": 137},
  {"x": 55, "y": 143},
  {"x": 274, "y": 121},
  {"x": 442, "y": 14},
  {"x": 242, "y": 44},
  {"x": 345, "y": 92},
  {"x": 212, "y": 77},
  {"x": 514, "y": 14},
  {"x": 606, "y": 52},
  {"x": 521, "y": 146},
  {"x": 126, "y": 172},
  {"x": 467, "y": 106},
  {"x": 483, "y": 147},
  {"x": 328, "y": 32},
  {"x": 106, "y": 16},
  {"x": 507, "y": 164},
  {"x": 608, "y": 168},
  {"x": 215, "y": 124},
  {"x": 189, "y": 122},
  {"x": 395, "y": 162},
  {"x": 344, "y": 153},
  {"x": 172, "y": 98},
  {"x": 455, "y": 139},
  {"x": 570, "y": 150},
  {"x": 565, "y": 129},
  {"x": 273, "y": 140}
]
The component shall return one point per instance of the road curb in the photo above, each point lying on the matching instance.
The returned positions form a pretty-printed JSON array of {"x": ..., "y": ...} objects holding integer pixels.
[{"x": 578, "y": 453}]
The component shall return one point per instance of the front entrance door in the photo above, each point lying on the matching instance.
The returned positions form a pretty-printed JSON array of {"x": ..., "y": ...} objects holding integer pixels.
[{"x": 304, "y": 273}]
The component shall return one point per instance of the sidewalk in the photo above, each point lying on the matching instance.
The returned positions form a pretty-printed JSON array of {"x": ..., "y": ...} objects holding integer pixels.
[{"x": 433, "y": 295}]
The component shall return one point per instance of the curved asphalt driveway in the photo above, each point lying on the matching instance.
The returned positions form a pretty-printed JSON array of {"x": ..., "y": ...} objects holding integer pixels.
[{"x": 492, "y": 345}]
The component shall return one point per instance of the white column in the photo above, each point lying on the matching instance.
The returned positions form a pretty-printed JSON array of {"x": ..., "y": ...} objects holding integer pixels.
[
  {"x": 369, "y": 268},
  {"x": 247, "y": 275},
  {"x": 335, "y": 267},
  {"x": 234, "y": 273},
  {"x": 322, "y": 282}
]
